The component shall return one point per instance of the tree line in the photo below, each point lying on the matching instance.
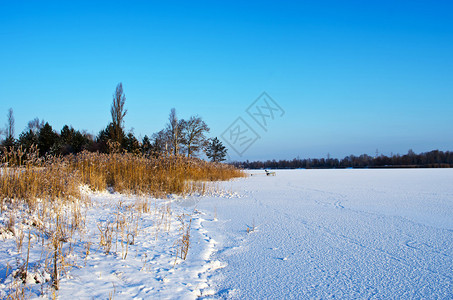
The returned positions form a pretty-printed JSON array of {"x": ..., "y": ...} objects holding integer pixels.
[
  {"x": 432, "y": 159},
  {"x": 179, "y": 137}
]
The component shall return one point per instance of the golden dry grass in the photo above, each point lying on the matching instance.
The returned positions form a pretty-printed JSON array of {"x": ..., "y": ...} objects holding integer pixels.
[
  {"x": 27, "y": 177},
  {"x": 139, "y": 174},
  {"x": 44, "y": 195}
]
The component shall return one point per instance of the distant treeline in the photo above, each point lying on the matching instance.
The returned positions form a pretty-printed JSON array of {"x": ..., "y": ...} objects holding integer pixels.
[{"x": 432, "y": 159}]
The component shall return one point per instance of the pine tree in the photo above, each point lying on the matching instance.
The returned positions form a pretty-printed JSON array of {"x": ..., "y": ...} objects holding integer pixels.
[
  {"x": 28, "y": 138},
  {"x": 216, "y": 151},
  {"x": 131, "y": 144},
  {"x": 146, "y": 145},
  {"x": 47, "y": 139},
  {"x": 72, "y": 141}
]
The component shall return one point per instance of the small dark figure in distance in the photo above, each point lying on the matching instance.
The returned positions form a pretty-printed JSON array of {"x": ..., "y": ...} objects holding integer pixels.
[{"x": 269, "y": 173}]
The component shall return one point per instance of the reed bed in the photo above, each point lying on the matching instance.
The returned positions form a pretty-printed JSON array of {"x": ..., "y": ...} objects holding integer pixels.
[
  {"x": 27, "y": 177},
  {"x": 140, "y": 174},
  {"x": 42, "y": 196},
  {"x": 24, "y": 176}
]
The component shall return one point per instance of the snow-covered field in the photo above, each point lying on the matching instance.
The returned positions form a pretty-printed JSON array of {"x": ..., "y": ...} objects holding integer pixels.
[{"x": 302, "y": 234}]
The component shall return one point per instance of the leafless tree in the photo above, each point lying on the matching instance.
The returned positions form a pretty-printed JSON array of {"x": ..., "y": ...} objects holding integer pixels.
[
  {"x": 161, "y": 142},
  {"x": 174, "y": 132},
  {"x": 118, "y": 113},
  {"x": 35, "y": 125},
  {"x": 10, "y": 125},
  {"x": 193, "y": 131}
]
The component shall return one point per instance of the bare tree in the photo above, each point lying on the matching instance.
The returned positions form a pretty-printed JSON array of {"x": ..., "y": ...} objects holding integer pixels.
[
  {"x": 10, "y": 125},
  {"x": 35, "y": 125},
  {"x": 118, "y": 113},
  {"x": 193, "y": 131},
  {"x": 161, "y": 141},
  {"x": 174, "y": 131}
]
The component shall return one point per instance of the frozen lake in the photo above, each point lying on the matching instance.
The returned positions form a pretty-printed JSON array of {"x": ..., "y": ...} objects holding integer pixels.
[{"x": 384, "y": 234}]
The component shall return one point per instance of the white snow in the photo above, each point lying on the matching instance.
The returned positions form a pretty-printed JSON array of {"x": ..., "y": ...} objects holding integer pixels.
[
  {"x": 381, "y": 234},
  {"x": 302, "y": 234}
]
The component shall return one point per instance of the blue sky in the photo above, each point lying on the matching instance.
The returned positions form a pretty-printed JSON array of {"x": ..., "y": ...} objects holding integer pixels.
[{"x": 351, "y": 76}]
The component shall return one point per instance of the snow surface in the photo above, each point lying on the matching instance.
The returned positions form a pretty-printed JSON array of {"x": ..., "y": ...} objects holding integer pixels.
[
  {"x": 380, "y": 234},
  {"x": 302, "y": 234}
]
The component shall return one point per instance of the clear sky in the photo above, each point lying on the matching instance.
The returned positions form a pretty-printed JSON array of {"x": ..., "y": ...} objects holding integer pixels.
[{"x": 351, "y": 76}]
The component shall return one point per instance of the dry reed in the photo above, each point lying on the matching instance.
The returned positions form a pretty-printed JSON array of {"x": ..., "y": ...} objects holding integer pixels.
[
  {"x": 47, "y": 193},
  {"x": 139, "y": 174},
  {"x": 26, "y": 176}
]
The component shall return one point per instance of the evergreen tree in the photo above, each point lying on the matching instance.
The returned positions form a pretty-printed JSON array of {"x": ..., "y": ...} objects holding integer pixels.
[
  {"x": 8, "y": 142},
  {"x": 216, "y": 151},
  {"x": 105, "y": 142},
  {"x": 47, "y": 140},
  {"x": 131, "y": 144},
  {"x": 146, "y": 145},
  {"x": 28, "y": 138},
  {"x": 102, "y": 139},
  {"x": 72, "y": 141}
]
